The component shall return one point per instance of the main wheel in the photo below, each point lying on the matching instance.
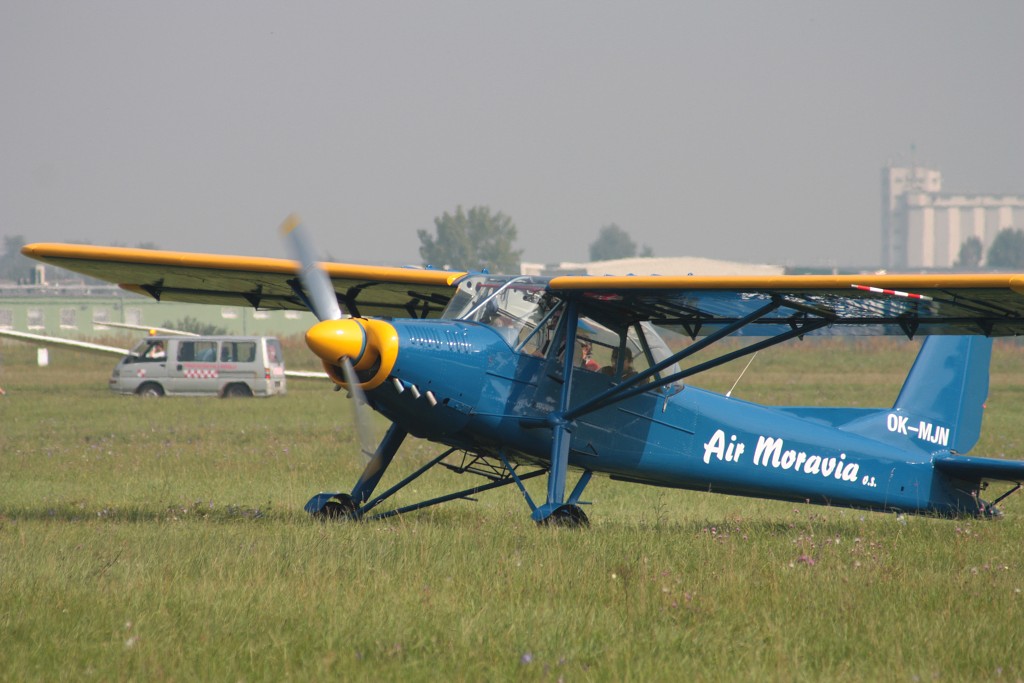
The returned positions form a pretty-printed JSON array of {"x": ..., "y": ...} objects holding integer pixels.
[
  {"x": 571, "y": 516},
  {"x": 337, "y": 508}
]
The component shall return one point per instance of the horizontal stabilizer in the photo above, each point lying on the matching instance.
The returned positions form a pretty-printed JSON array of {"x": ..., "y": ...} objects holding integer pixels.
[{"x": 970, "y": 468}]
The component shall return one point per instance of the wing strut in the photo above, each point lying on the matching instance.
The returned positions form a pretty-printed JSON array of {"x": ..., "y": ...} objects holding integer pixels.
[
  {"x": 648, "y": 379},
  {"x": 637, "y": 384}
]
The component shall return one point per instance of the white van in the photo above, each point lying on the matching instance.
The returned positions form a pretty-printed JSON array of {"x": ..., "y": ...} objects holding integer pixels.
[{"x": 202, "y": 366}]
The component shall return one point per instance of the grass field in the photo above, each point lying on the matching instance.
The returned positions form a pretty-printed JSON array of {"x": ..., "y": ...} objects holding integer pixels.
[{"x": 165, "y": 540}]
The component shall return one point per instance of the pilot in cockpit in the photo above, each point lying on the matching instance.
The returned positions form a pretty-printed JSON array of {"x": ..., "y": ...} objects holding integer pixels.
[{"x": 627, "y": 364}]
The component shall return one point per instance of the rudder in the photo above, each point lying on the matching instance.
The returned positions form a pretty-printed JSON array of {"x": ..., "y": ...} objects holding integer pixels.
[{"x": 947, "y": 388}]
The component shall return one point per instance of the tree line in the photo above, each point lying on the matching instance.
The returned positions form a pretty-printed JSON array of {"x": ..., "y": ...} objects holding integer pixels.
[
  {"x": 478, "y": 239},
  {"x": 1005, "y": 253}
]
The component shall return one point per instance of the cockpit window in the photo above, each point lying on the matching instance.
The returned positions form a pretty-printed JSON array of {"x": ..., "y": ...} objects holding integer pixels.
[
  {"x": 621, "y": 353},
  {"x": 528, "y": 317},
  {"x": 617, "y": 354},
  {"x": 542, "y": 328},
  {"x": 514, "y": 306}
]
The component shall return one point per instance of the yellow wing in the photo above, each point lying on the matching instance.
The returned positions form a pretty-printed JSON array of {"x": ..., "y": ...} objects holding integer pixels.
[
  {"x": 938, "y": 303},
  {"x": 264, "y": 283}
]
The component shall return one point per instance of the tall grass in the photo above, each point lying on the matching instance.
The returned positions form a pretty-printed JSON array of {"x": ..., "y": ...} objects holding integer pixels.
[{"x": 165, "y": 540}]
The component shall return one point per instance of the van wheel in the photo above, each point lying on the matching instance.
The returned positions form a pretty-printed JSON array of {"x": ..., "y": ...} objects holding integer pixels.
[
  {"x": 237, "y": 391},
  {"x": 150, "y": 390}
]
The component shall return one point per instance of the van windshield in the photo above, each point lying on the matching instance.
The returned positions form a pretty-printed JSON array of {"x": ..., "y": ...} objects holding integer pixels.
[{"x": 148, "y": 351}]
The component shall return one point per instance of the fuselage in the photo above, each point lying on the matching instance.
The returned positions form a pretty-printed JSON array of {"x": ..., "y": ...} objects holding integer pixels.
[{"x": 463, "y": 384}]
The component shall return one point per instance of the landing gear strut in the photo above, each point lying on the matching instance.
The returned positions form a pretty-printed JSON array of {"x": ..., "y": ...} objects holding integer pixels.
[{"x": 341, "y": 506}]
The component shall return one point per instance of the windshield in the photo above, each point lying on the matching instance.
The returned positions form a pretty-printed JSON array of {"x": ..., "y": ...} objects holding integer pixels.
[
  {"x": 516, "y": 296},
  {"x": 147, "y": 351},
  {"x": 514, "y": 306}
]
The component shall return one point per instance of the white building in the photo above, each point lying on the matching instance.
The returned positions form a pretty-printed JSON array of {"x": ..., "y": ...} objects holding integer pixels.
[{"x": 923, "y": 227}]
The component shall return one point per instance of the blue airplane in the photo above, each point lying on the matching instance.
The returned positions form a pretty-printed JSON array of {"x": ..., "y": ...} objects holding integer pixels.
[{"x": 518, "y": 377}]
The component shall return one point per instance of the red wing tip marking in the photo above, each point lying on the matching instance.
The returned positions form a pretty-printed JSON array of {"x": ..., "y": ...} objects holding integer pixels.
[{"x": 892, "y": 292}]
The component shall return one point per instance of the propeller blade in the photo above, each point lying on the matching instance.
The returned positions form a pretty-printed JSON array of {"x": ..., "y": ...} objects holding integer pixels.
[
  {"x": 362, "y": 412},
  {"x": 322, "y": 298},
  {"x": 336, "y": 343}
]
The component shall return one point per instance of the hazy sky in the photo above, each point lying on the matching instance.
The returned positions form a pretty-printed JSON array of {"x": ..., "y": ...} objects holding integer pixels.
[{"x": 750, "y": 131}]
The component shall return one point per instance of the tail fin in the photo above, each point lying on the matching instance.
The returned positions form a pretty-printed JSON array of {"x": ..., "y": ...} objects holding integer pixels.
[{"x": 943, "y": 397}]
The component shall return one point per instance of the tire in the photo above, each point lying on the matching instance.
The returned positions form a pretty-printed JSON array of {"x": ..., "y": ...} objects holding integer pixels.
[
  {"x": 568, "y": 516},
  {"x": 150, "y": 390},
  {"x": 237, "y": 391},
  {"x": 340, "y": 508}
]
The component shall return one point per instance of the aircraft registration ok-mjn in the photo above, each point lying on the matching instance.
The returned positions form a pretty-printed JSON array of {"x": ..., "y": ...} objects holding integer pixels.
[{"x": 517, "y": 377}]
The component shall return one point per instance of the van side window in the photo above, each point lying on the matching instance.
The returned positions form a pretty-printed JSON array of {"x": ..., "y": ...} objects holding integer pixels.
[
  {"x": 274, "y": 351},
  {"x": 201, "y": 351},
  {"x": 238, "y": 352}
]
